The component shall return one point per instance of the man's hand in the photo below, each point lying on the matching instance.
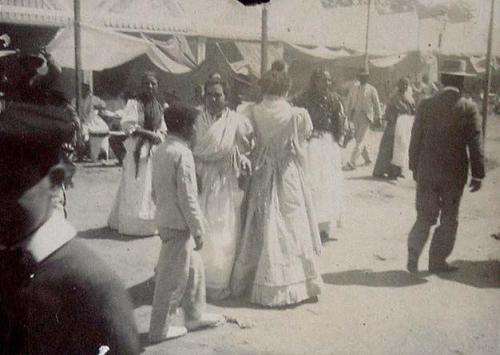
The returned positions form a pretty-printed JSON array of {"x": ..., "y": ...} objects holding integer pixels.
[
  {"x": 198, "y": 242},
  {"x": 475, "y": 185},
  {"x": 245, "y": 165}
]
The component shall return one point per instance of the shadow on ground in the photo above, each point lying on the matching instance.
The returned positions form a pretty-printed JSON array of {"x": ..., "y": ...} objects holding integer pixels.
[
  {"x": 243, "y": 303},
  {"x": 371, "y": 178},
  {"x": 142, "y": 293},
  {"x": 392, "y": 278},
  {"x": 106, "y": 233},
  {"x": 480, "y": 274}
]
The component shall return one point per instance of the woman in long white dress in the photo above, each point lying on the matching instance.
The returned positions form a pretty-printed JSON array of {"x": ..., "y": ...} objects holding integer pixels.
[
  {"x": 325, "y": 160},
  {"x": 220, "y": 141},
  {"x": 133, "y": 210},
  {"x": 276, "y": 264}
]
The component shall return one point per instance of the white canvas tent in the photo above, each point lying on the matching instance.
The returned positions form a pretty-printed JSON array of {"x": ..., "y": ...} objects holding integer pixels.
[{"x": 103, "y": 49}]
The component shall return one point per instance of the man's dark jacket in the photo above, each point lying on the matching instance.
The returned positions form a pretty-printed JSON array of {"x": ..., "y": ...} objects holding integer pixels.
[
  {"x": 446, "y": 136},
  {"x": 72, "y": 305}
]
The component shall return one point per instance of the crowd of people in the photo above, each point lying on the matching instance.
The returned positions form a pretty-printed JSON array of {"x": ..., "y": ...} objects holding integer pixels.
[{"x": 241, "y": 199}]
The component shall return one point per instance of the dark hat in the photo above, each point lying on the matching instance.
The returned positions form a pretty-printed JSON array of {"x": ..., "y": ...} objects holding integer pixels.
[
  {"x": 179, "y": 112},
  {"x": 31, "y": 137},
  {"x": 457, "y": 67},
  {"x": 31, "y": 61},
  {"x": 364, "y": 72}
]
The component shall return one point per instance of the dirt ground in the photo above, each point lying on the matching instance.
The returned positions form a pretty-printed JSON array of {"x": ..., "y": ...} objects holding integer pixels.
[{"x": 369, "y": 305}]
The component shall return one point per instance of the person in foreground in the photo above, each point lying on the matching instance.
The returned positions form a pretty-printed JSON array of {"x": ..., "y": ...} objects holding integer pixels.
[
  {"x": 221, "y": 140},
  {"x": 180, "y": 275},
  {"x": 276, "y": 264},
  {"x": 445, "y": 139},
  {"x": 56, "y": 295}
]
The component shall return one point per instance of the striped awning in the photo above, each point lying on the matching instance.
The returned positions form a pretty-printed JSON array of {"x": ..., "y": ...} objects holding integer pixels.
[{"x": 34, "y": 12}]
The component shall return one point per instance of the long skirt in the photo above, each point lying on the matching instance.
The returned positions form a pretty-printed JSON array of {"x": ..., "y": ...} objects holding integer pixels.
[
  {"x": 133, "y": 210},
  {"x": 402, "y": 135},
  {"x": 220, "y": 202},
  {"x": 276, "y": 263},
  {"x": 326, "y": 180},
  {"x": 383, "y": 165}
]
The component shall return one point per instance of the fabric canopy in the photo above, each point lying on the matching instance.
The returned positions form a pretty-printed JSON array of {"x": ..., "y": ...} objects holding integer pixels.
[
  {"x": 100, "y": 49},
  {"x": 386, "y": 62},
  {"x": 244, "y": 57},
  {"x": 103, "y": 49},
  {"x": 176, "y": 49},
  {"x": 322, "y": 52},
  {"x": 167, "y": 57}
]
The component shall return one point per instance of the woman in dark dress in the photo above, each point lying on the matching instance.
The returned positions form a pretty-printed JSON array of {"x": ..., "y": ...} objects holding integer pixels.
[{"x": 400, "y": 103}]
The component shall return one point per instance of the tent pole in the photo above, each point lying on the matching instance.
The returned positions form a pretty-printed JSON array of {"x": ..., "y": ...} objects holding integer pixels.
[
  {"x": 264, "y": 42},
  {"x": 487, "y": 81},
  {"x": 367, "y": 32},
  {"x": 78, "y": 58},
  {"x": 418, "y": 57}
]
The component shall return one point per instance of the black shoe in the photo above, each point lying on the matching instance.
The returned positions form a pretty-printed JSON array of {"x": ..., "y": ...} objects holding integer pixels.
[{"x": 442, "y": 268}]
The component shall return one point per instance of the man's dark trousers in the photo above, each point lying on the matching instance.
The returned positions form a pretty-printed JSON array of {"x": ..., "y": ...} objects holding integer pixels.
[{"x": 433, "y": 201}]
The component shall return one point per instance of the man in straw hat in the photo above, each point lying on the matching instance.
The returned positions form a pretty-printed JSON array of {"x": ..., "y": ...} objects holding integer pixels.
[
  {"x": 445, "y": 141},
  {"x": 363, "y": 109}
]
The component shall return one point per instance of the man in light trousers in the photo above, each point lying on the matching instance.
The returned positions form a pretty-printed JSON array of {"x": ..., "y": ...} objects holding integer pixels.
[
  {"x": 363, "y": 108},
  {"x": 180, "y": 275}
]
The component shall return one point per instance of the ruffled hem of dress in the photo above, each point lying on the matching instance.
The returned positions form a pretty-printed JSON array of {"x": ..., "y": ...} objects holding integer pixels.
[{"x": 273, "y": 296}]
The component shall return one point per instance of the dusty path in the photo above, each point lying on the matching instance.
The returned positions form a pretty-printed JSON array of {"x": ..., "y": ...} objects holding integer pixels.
[{"x": 370, "y": 305}]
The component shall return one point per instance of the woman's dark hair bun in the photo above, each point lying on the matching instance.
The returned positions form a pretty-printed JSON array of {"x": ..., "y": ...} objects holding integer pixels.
[{"x": 278, "y": 65}]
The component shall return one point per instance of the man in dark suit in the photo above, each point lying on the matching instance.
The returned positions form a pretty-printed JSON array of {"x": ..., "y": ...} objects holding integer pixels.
[
  {"x": 56, "y": 296},
  {"x": 446, "y": 139}
]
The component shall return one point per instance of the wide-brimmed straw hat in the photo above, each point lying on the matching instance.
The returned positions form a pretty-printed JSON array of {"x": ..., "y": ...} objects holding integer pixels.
[{"x": 457, "y": 67}]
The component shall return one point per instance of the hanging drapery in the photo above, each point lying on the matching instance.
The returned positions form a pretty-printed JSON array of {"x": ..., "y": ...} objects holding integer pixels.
[{"x": 101, "y": 48}]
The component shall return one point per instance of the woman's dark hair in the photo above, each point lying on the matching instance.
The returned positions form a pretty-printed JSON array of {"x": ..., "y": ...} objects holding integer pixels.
[
  {"x": 149, "y": 74},
  {"x": 180, "y": 119},
  {"x": 216, "y": 79},
  {"x": 276, "y": 81},
  {"x": 317, "y": 74}
]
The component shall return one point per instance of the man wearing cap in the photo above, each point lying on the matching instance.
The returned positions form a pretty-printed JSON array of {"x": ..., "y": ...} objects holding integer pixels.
[
  {"x": 56, "y": 296},
  {"x": 445, "y": 142},
  {"x": 363, "y": 109}
]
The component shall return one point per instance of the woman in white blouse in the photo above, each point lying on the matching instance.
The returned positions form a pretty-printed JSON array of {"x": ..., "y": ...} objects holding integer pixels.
[{"x": 133, "y": 210}]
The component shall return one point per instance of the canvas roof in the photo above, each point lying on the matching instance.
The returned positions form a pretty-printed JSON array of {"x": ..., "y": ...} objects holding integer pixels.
[{"x": 301, "y": 22}]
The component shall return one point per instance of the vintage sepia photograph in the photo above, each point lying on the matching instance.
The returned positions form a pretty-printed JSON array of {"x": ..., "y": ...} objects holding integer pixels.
[{"x": 276, "y": 177}]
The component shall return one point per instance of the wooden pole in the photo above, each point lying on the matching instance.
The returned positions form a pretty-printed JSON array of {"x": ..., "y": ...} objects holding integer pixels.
[
  {"x": 78, "y": 57},
  {"x": 418, "y": 56},
  {"x": 367, "y": 33},
  {"x": 487, "y": 79},
  {"x": 264, "y": 42}
]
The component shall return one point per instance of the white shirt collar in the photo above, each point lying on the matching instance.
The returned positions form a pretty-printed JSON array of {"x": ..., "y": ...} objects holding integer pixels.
[
  {"x": 52, "y": 235},
  {"x": 451, "y": 88}
]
